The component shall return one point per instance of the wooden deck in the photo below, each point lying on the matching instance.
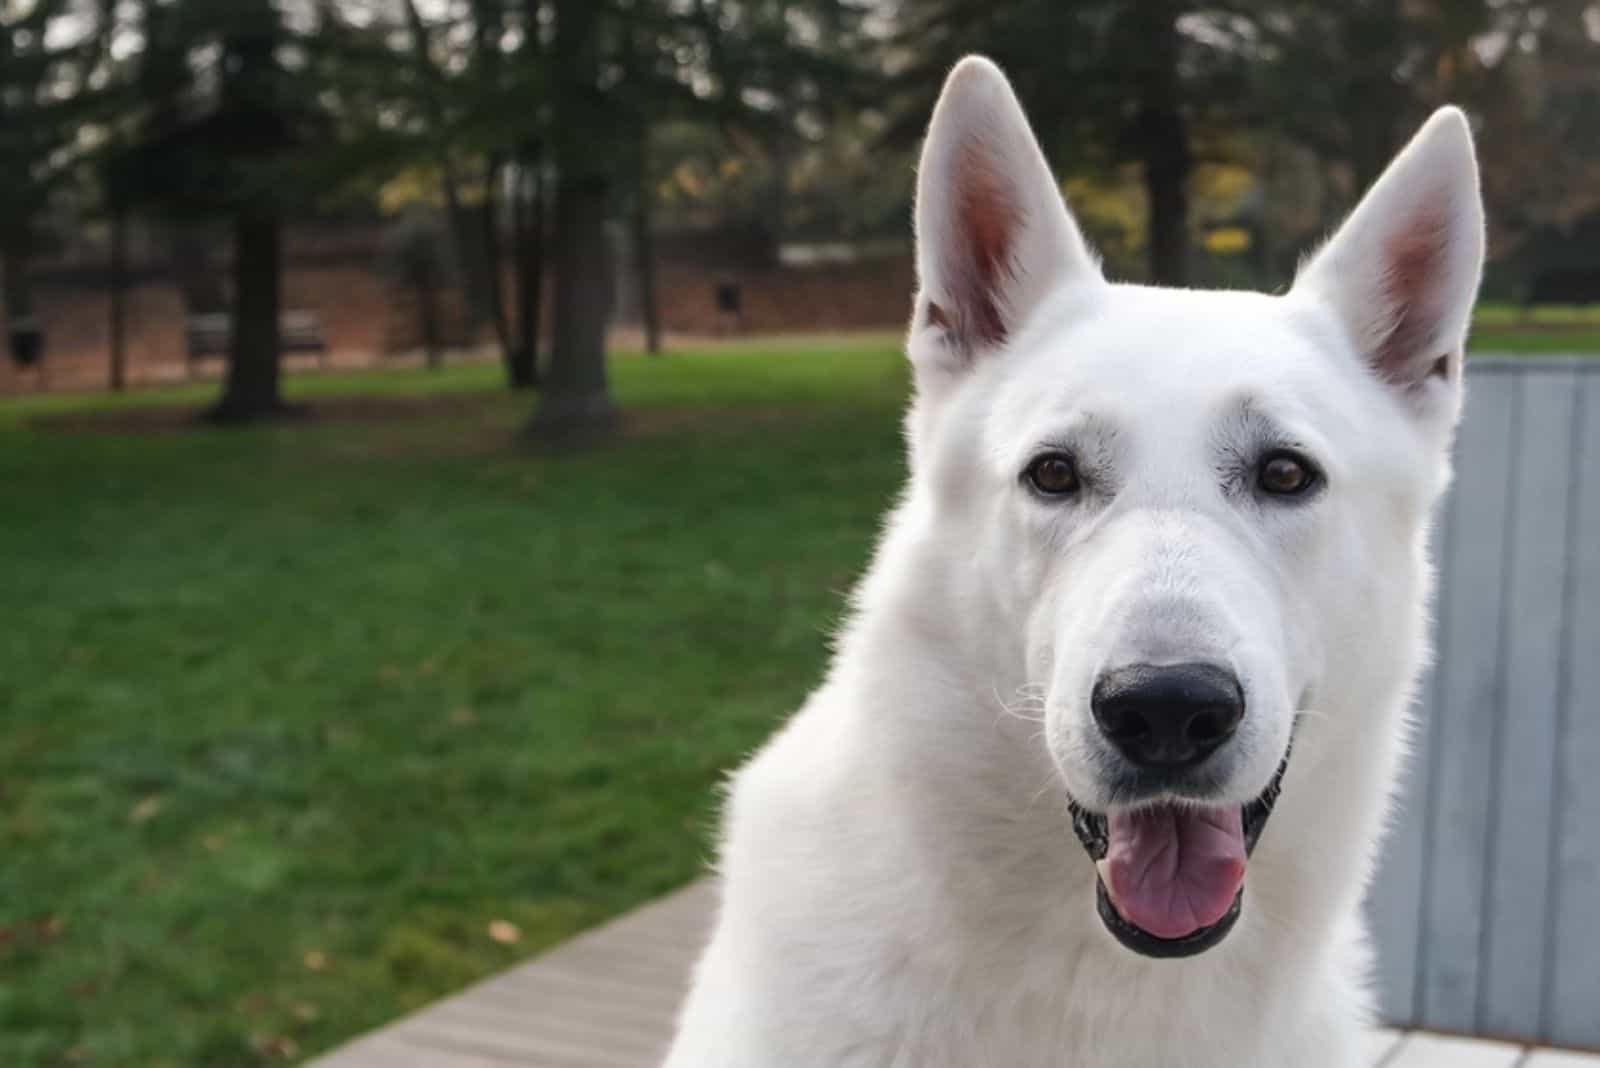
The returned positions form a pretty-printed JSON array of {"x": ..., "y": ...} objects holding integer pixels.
[{"x": 607, "y": 999}]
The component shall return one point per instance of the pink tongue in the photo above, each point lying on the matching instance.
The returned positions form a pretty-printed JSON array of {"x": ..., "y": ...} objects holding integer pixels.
[{"x": 1172, "y": 870}]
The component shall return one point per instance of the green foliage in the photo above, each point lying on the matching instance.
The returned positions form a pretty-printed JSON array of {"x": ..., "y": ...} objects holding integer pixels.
[
  {"x": 224, "y": 111},
  {"x": 291, "y": 715},
  {"x": 44, "y": 99}
]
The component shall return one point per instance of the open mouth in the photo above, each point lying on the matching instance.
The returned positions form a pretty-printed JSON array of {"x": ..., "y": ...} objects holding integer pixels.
[{"x": 1171, "y": 874}]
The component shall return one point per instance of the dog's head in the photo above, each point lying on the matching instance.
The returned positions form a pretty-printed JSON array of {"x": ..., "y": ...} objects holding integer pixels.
[{"x": 1200, "y": 512}]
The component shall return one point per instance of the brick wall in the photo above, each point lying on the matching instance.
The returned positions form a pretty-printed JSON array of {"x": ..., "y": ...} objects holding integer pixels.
[
  {"x": 787, "y": 299},
  {"x": 365, "y": 316}
]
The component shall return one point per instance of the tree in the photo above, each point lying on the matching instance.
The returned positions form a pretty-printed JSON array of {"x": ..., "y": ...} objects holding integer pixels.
[
  {"x": 1105, "y": 82},
  {"x": 617, "y": 70},
  {"x": 45, "y": 99},
  {"x": 468, "y": 147},
  {"x": 411, "y": 258},
  {"x": 791, "y": 73},
  {"x": 1540, "y": 94},
  {"x": 1351, "y": 81},
  {"x": 466, "y": 100},
  {"x": 576, "y": 397},
  {"x": 227, "y": 106}
]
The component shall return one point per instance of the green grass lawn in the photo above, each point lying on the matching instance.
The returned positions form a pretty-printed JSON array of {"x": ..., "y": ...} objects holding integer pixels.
[
  {"x": 1554, "y": 328},
  {"x": 290, "y": 716},
  {"x": 1535, "y": 340}
]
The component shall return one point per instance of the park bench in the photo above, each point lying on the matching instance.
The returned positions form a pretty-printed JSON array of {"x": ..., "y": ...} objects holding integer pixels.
[{"x": 210, "y": 336}]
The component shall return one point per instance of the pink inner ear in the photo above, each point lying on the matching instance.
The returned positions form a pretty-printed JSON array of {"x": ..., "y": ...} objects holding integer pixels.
[
  {"x": 1413, "y": 286},
  {"x": 978, "y": 258}
]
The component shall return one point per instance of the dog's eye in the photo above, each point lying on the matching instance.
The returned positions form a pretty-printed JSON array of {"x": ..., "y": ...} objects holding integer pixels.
[
  {"x": 1285, "y": 474},
  {"x": 1053, "y": 474}
]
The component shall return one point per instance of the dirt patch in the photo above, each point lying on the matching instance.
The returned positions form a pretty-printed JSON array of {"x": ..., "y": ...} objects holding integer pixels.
[
  {"x": 331, "y": 411},
  {"x": 485, "y": 426}
]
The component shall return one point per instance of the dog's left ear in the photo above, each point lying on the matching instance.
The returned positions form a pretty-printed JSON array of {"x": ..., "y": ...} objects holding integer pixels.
[
  {"x": 1402, "y": 272},
  {"x": 993, "y": 234}
]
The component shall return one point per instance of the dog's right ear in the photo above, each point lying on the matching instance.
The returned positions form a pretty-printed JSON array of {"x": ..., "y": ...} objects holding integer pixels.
[
  {"x": 993, "y": 235},
  {"x": 1402, "y": 272}
]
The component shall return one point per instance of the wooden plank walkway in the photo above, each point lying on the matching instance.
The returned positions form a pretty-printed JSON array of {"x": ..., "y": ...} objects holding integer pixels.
[{"x": 607, "y": 999}]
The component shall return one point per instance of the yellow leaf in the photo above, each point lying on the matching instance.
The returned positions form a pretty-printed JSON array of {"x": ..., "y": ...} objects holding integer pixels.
[
  {"x": 1228, "y": 240},
  {"x": 505, "y": 932},
  {"x": 316, "y": 960},
  {"x": 145, "y": 810}
]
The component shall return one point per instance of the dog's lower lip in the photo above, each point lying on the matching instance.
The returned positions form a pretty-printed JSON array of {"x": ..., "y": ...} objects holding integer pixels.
[{"x": 1146, "y": 944}]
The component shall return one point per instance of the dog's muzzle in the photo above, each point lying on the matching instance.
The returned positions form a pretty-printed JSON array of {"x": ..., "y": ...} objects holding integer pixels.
[{"x": 1171, "y": 874}]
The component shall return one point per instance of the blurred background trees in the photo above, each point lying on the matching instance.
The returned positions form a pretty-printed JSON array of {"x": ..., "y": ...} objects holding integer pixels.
[
  {"x": 51, "y": 81},
  {"x": 515, "y": 148}
]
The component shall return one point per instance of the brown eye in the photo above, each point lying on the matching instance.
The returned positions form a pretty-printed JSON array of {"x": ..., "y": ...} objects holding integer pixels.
[
  {"x": 1054, "y": 475},
  {"x": 1283, "y": 474}
]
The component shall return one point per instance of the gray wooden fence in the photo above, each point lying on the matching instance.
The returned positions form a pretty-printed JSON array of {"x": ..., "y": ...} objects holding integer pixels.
[{"x": 1486, "y": 909}]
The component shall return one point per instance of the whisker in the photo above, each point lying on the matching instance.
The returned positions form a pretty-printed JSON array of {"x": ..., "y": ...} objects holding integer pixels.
[
  {"x": 1028, "y": 711},
  {"x": 1049, "y": 781}
]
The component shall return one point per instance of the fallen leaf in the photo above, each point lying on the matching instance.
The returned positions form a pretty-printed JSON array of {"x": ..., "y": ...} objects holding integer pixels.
[
  {"x": 145, "y": 810},
  {"x": 463, "y": 716},
  {"x": 505, "y": 932},
  {"x": 316, "y": 960},
  {"x": 214, "y": 842},
  {"x": 306, "y": 1012},
  {"x": 276, "y": 1046}
]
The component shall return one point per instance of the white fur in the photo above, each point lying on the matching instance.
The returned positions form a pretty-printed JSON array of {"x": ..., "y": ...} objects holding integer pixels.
[{"x": 901, "y": 886}]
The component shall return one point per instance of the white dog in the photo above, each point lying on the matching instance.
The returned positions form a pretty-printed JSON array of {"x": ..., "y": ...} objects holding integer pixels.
[{"x": 1045, "y": 810}]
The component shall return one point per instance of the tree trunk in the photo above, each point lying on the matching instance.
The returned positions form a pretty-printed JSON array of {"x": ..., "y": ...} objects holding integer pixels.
[
  {"x": 427, "y": 294},
  {"x": 489, "y": 236},
  {"x": 190, "y": 252},
  {"x": 119, "y": 301},
  {"x": 251, "y": 391},
  {"x": 475, "y": 278},
  {"x": 529, "y": 231},
  {"x": 575, "y": 399},
  {"x": 466, "y": 250},
  {"x": 644, "y": 258},
  {"x": 1166, "y": 184},
  {"x": 16, "y": 298},
  {"x": 16, "y": 307},
  {"x": 777, "y": 193},
  {"x": 1163, "y": 138}
]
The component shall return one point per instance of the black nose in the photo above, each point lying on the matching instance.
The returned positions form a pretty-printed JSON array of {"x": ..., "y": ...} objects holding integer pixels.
[{"x": 1171, "y": 716}]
